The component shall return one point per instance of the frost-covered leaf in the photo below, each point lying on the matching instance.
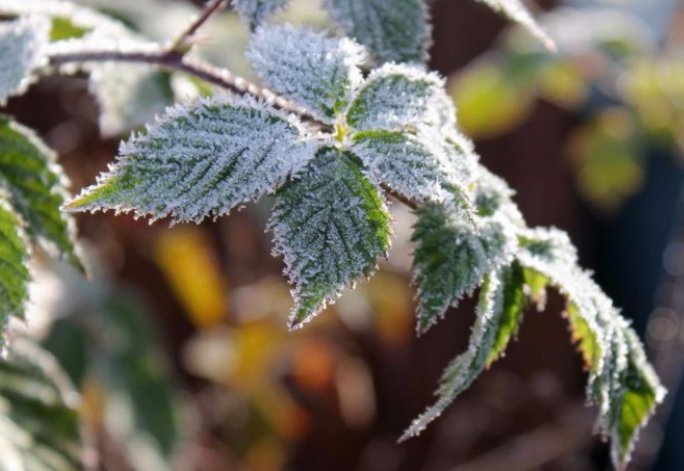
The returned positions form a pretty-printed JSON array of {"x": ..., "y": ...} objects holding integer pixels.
[
  {"x": 22, "y": 50},
  {"x": 201, "y": 161},
  {"x": 452, "y": 258},
  {"x": 621, "y": 382},
  {"x": 499, "y": 312},
  {"x": 255, "y": 12},
  {"x": 313, "y": 70},
  {"x": 36, "y": 186},
  {"x": 395, "y": 97},
  {"x": 518, "y": 12},
  {"x": 550, "y": 253},
  {"x": 393, "y": 30},
  {"x": 493, "y": 197},
  {"x": 640, "y": 393},
  {"x": 14, "y": 274},
  {"x": 330, "y": 225},
  {"x": 129, "y": 95},
  {"x": 415, "y": 166},
  {"x": 39, "y": 427},
  {"x": 511, "y": 310}
]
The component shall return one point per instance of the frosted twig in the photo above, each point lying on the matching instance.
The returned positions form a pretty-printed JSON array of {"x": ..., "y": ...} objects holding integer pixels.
[{"x": 217, "y": 76}]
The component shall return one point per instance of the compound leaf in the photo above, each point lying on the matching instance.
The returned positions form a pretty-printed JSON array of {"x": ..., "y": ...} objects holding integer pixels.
[
  {"x": 330, "y": 226},
  {"x": 22, "y": 50},
  {"x": 313, "y": 70},
  {"x": 36, "y": 185},
  {"x": 393, "y": 30},
  {"x": 201, "y": 161}
]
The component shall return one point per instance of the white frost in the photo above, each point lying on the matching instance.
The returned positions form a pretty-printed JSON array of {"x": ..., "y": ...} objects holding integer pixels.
[
  {"x": 22, "y": 50},
  {"x": 313, "y": 70}
]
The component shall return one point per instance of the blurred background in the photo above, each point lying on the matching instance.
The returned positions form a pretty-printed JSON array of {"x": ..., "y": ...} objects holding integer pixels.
[{"x": 179, "y": 346}]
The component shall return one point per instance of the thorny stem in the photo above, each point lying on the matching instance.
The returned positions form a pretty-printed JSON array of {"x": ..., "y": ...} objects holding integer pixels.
[{"x": 184, "y": 41}]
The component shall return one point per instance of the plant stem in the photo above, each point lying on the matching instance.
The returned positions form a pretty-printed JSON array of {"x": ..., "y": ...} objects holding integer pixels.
[
  {"x": 172, "y": 61},
  {"x": 183, "y": 42}
]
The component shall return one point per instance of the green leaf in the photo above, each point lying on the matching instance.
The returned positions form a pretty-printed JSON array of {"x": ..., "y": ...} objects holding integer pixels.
[
  {"x": 620, "y": 380},
  {"x": 452, "y": 257},
  {"x": 330, "y": 225},
  {"x": 63, "y": 28},
  {"x": 418, "y": 167},
  {"x": 311, "y": 69},
  {"x": 107, "y": 338},
  {"x": 255, "y": 12},
  {"x": 23, "y": 50},
  {"x": 14, "y": 274},
  {"x": 393, "y": 30},
  {"x": 498, "y": 314},
  {"x": 640, "y": 393},
  {"x": 516, "y": 11},
  {"x": 36, "y": 186},
  {"x": 550, "y": 253},
  {"x": 396, "y": 97},
  {"x": 39, "y": 428},
  {"x": 201, "y": 161},
  {"x": 512, "y": 309}
]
